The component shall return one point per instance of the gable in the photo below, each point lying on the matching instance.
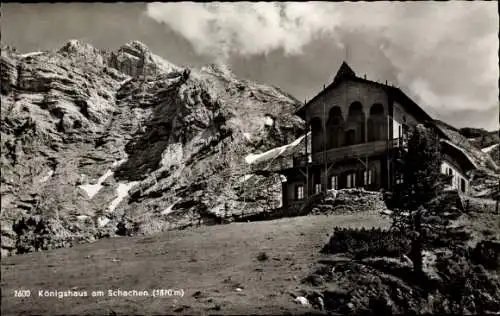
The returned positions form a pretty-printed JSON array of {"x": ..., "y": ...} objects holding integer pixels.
[
  {"x": 342, "y": 94},
  {"x": 345, "y": 74}
]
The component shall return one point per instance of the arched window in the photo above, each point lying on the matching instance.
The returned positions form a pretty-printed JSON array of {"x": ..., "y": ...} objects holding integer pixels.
[
  {"x": 355, "y": 122},
  {"x": 335, "y": 128},
  {"x": 316, "y": 135},
  {"x": 376, "y": 123}
]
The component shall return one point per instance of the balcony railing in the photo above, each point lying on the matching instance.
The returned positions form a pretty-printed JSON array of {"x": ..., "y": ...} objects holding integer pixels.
[{"x": 349, "y": 152}]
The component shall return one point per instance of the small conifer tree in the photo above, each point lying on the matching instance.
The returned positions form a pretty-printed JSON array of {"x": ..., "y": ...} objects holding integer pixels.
[{"x": 418, "y": 195}]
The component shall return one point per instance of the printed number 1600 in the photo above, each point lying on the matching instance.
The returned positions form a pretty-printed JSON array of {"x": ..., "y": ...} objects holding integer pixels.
[{"x": 22, "y": 293}]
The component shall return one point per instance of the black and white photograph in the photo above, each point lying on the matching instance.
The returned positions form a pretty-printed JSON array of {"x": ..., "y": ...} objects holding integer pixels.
[{"x": 250, "y": 158}]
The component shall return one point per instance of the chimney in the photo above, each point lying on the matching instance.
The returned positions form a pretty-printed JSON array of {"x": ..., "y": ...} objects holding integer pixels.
[{"x": 364, "y": 76}]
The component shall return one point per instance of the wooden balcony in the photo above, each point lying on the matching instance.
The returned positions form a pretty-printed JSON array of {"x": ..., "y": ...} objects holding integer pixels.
[{"x": 349, "y": 152}]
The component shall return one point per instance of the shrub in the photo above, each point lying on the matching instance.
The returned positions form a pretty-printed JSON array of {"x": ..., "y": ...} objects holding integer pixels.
[
  {"x": 364, "y": 243},
  {"x": 487, "y": 254},
  {"x": 466, "y": 285},
  {"x": 262, "y": 256},
  {"x": 449, "y": 237}
]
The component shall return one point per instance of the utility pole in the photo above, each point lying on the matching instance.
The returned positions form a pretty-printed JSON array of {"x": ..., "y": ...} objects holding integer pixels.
[
  {"x": 388, "y": 129},
  {"x": 307, "y": 158},
  {"x": 325, "y": 183},
  {"x": 366, "y": 156}
]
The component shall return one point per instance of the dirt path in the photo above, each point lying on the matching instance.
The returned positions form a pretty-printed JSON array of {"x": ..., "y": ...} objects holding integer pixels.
[{"x": 207, "y": 263}]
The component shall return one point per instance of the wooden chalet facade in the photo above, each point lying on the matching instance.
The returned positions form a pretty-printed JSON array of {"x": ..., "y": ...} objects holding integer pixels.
[{"x": 357, "y": 127}]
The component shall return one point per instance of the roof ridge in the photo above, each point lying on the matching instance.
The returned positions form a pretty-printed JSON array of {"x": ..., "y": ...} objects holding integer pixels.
[{"x": 344, "y": 71}]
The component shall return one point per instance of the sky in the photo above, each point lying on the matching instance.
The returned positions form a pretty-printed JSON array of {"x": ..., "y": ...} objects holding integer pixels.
[{"x": 444, "y": 55}]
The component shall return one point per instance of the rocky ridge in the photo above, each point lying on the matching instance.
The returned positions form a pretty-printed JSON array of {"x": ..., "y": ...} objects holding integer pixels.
[{"x": 98, "y": 143}]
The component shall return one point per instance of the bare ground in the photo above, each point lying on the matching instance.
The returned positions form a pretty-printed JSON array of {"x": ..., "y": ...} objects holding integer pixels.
[{"x": 207, "y": 263}]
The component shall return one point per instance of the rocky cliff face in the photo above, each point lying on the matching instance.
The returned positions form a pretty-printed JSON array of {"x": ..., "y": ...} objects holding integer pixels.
[{"x": 98, "y": 144}]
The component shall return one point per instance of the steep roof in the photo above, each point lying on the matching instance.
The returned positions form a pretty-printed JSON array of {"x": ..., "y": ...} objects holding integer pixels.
[
  {"x": 410, "y": 105},
  {"x": 481, "y": 159},
  {"x": 471, "y": 164},
  {"x": 345, "y": 72}
]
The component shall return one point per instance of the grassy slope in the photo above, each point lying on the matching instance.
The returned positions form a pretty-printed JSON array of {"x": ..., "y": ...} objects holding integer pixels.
[
  {"x": 481, "y": 221},
  {"x": 213, "y": 260}
]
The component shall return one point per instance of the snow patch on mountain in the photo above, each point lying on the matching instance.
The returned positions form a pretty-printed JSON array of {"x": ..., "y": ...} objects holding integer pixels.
[
  {"x": 247, "y": 136},
  {"x": 30, "y": 54},
  {"x": 122, "y": 192},
  {"x": 245, "y": 177},
  {"x": 489, "y": 148},
  {"x": 119, "y": 162},
  {"x": 92, "y": 189},
  {"x": 172, "y": 155},
  {"x": 47, "y": 177},
  {"x": 169, "y": 209},
  {"x": 102, "y": 221},
  {"x": 125, "y": 81},
  {"x": 273, "y": 153},
  {"x": 82, "y": 217},
  {"x": 268, "y": 121}
]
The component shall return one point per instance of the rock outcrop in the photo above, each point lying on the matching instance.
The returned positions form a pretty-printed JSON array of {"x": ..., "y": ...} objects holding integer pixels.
[
  {"x": 98, "y": 144},
  {"x": 136, "y": 60}
]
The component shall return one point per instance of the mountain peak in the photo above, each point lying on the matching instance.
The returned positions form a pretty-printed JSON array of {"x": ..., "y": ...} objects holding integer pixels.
[
  {"x": 82, "y": 51},
  {"x": 219, "y": 68},
  {"x": 77, "y": 46},
  {"x": 136, "y": 59},
  {"x": 137, "y": 49},
  {"x": 136, "y": 46}
]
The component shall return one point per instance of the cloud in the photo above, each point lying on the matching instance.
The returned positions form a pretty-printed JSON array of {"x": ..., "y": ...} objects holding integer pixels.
[
  {"x": 445, "y": 53},
  {"x": 245, "y": 28}
]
